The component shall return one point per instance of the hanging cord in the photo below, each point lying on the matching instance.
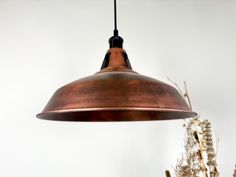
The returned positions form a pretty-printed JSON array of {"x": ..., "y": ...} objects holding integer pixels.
[
  {"x": 115, "y": 40},
  {"x": 115, "y": 20}
]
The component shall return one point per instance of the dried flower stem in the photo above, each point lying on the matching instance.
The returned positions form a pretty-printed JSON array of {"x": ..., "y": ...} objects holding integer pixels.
[
  {"x": 201, "y": 150},
  {"x": 177, "y": 86},
  {"x": 234, "y": 175},
  {"x": 184, "y": 95},
  {"x": 187, "y": 95},
  {"x": 167, "y": 173}
]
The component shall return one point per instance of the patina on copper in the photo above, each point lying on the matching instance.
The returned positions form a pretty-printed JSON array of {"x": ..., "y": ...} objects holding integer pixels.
[{"x": 116, "y": 93}]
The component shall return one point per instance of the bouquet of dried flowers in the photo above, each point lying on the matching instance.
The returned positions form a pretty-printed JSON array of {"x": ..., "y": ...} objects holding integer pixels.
[{"x": 199, "y": 159}]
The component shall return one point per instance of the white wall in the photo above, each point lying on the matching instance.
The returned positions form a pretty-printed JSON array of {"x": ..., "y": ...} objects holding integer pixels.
[{"x": 48, "y": 43}]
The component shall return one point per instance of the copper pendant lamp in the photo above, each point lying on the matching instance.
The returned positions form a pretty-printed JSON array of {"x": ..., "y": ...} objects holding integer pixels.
[{"x": 116, "y": 93}]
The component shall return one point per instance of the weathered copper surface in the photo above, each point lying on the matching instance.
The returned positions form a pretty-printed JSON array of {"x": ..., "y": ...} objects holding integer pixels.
[{"x": 116, "y": 93}]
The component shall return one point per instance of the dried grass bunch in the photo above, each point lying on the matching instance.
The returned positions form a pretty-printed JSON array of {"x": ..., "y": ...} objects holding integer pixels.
[{"x": 199, "y": 159}]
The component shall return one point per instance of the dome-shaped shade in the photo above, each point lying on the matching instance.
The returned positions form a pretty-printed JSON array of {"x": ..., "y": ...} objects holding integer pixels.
[{"x": 116, "y": 93}]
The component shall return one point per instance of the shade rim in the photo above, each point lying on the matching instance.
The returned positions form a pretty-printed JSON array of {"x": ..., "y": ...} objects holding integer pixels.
[
  {"x": 147, "y": 113},
  {"x": 117, "y": 109}
]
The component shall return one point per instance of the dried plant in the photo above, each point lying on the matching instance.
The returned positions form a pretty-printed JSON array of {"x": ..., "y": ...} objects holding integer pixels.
[
  {"x": 199, "y": 159},
  {"x": 234, "y": 175},
  {"x": 200, "y": 156}
]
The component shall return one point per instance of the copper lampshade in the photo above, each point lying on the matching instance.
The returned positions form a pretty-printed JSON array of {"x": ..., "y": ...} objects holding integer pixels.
[{"x": 116, "y": 93}]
